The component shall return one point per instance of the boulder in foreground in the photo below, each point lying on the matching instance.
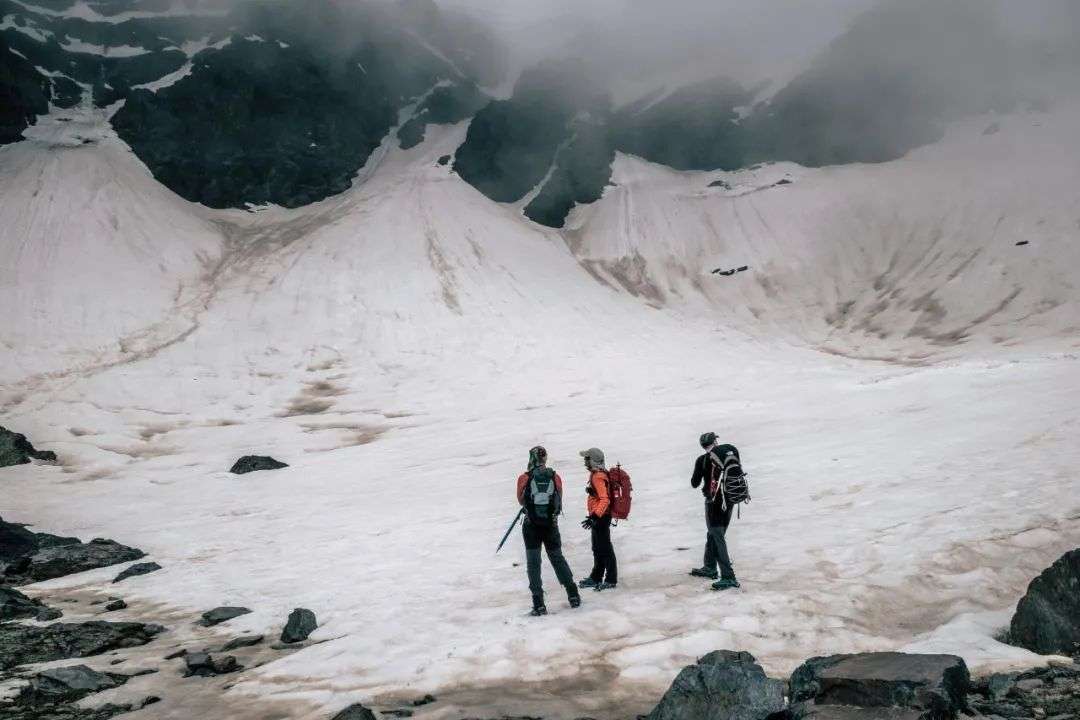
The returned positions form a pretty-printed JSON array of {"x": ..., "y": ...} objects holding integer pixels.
[
  {"x": 15, "y": 449},
  {"x": 935, "y": 685},
  {"x": 23, "y": 644},
  {"x": 300, "y": 625},
  {"x": 1047, "y": 619},
  {"x": 723, "y": 684}
]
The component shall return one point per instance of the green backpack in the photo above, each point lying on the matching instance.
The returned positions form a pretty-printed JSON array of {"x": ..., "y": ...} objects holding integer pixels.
[{"x": 542, "y": 501}]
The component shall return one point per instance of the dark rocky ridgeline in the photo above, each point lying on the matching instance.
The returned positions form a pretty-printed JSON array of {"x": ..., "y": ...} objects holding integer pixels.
[
  {"x": 24, "y": 95},
  {"x": 1047, "y": 618},
  {"x": 15, "y": 449},
  {"x": 694, "y": 128},
  {"x": 291, "y": 119},
  {"x": 511, "y": 144},
  {"x": 22, "y": 644},
  {"x": 445, "y": 105},
  {"x": 252, "y": 463},
  {"x": 582, "y": 171},
  {"x": 723, "y": 684}
]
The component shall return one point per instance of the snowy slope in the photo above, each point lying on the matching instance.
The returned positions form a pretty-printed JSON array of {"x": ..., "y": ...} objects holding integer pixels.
[{"x": 402, "y": 345}]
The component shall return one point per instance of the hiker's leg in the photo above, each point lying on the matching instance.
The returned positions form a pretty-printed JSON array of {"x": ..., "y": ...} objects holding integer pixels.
[
  {"x": 532, "y": 557},
  {"x": 611, "y": 570},
  {"x": 553, "y": 545},
  {"x": 597, "y": 574},
  {"x": 718, "y": 533},
  {"x": 709, "y": 563}
]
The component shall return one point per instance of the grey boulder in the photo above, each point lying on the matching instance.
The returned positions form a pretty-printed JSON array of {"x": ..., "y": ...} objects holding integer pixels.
[
  {"x": 136, "y": 570},
  {"x": 23, "y": 644},
  {"x": 723, "y": 684},
  {"x": 218, "y": 615},
  {"x": 205, "y": 665},
  {"x": 355, "y": 712},
  {"x": 252, "y": 463},
  {"x": 1047, "y": 619},
  {"x": 59, "y": 560},
  {"x": 937, "y": 685},
  {"x": 68, "y": 684},
  {"x": 300, "y": 625}
]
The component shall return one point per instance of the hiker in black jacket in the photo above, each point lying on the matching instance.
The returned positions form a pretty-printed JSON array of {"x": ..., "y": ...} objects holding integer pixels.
[{"x": 717, "y": 518}]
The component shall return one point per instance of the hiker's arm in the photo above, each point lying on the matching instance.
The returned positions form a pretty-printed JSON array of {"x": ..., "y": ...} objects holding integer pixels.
[
  {"x": 699, "y": 474},
  {"x": 558, "y": 484},
  {"x": 522, "y": 480},
  {"x": 602, "y": 498}
]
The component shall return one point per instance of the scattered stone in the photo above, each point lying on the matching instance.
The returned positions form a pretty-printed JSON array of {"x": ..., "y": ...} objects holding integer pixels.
[
  {"x": 992, "y": 129},
  {"x": 59, "y": 560},
  {"x": 149, "y": 700},
  {"x": 783, "y": 181},
  {"x": 144, "y": 671},
  {"x": 178, "y": 654},
  {"x": 49, "y": 614},
  {"x": 810, "y": 711},
  {"x": 281, "y": 646},
  {"x": 15, "y": 449},
  {"x": 24, "y": 644},
  {"x": 1047, "y": 618},
  {"x": 222, "y": 614},
  {"x": 242, "y": 642},
  {"x": 1023, "y": 242},
  {"x": 205, "y": 665},
  {"x": 934, "y": 683},
  {"x": 426, "y": 700},
  {"x": 137, "y": 569},
  {"x": 723, "y": 684},
  {"x": 720, "y": 184},
  {"x": 117, "y": 661},
  {"x": 300, "y": 625},
  {"x": 1046, "y": 692},
  {"x": 355, "y": 712},
  {"x": 16, "y": 606},
  {"x": 444, "y": 160},
  {"x": 401, "y": 713},
  {"x": 251, "y": 463},
  {"x": 115, "y": 605},
  {"x": 67, "y": 684},
  {"x": 999, "y": 685}
]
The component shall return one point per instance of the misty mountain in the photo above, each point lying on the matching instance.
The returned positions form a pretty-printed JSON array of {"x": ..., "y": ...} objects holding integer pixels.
[{"x": 281, "y": 102}]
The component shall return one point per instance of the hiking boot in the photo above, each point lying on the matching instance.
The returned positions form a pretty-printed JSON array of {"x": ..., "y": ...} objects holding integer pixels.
[
  {"x": 704, "y": 572},
  {"x": 572, "y": 596},
  {"x": 587, "y": 583},
  {"x": 538, "y": 606},
  {"x": 604, "y": 586},
  {"x": 725, "y": 584}
]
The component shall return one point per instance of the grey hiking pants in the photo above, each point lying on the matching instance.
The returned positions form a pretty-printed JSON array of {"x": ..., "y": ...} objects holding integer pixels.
[
  {"x": 548, "y": 537},
  {"x": 716, "y": 552}
]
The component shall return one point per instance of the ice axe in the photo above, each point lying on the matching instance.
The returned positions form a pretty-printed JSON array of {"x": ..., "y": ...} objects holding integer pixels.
[{"x": 510, "y": 530}]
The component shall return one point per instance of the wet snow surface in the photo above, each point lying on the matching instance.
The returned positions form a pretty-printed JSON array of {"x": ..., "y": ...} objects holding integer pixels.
[{"x": 402, "y": 346}]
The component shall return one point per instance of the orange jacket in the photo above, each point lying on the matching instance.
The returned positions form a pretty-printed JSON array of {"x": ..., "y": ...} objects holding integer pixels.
[
  {"x": 523, "y": 480},
  {"x": 597, "y": 502}
]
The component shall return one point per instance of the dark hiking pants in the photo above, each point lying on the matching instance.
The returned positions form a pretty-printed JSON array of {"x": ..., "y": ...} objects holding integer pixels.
[
  {"x": 605, "y": 567},
  {"x": 548, "y": 537},
  {"x": 716, "y": 552}
]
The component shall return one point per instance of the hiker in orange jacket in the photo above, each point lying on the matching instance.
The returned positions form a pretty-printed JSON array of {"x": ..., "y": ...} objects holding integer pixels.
[{"x": 605, "y": 572}]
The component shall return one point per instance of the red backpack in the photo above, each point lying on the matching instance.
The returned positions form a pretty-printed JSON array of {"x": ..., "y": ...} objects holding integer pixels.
[{"x": 619, "y": 489}]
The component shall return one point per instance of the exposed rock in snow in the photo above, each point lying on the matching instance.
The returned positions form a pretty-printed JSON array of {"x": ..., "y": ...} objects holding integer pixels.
[
  {"x": 222, "y": 614},
  {"x": 137, "y": 569},
  {"x": 114, "y": 605},
  {"x": 21, "y": 644},
  {"x": 1051, "y": 692},
  {"x": 242, "y": 642},
  {"x": 15, "y": 449},
  {"x": 251, "y": 463},
  {"x": 203, "y": 664},
  {"x": 937, "y": 684},
  {"x": 355, "y": 712},
  {"x": 300, "y": 625},
  {"x": 722, "y": 684},
  {"x": 16, "y": 606},
  {"x": 69, "y": 683},
  {"x": 60, "y": 560},
  {"x": 1047, "y": 618}
]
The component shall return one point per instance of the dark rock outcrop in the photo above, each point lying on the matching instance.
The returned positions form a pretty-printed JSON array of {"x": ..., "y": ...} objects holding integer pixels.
[
  {"x": 252, "y": 463},
  {"x": 445, "y": 105},
  {"x": 59, "y": 560},
  {"x": 723, "y": 684},
  {"x": 21, "y": 644},
  {"x": 24, "y": 95},
  {"x": 936, "y": 685},
  {"x": 1047, "y": 618},
  {"x": 16, "y": 606},
  {"x": 1048, "y": 692},
  {"x": 202, "y": 664},
  {"x": 300, "y": 625},
  {"x": 114, "y": 605},
  {"x": 222, "y": 614},
  {"x": 355, "y": 712},
  {"x": 67, "y": 684},
  {"x": 15, "y": 449},
  {"x": 136, "y": 570}
]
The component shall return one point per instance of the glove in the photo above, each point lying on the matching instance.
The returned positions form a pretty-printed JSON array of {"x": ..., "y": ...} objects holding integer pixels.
[{"x": 588, "y": 523}]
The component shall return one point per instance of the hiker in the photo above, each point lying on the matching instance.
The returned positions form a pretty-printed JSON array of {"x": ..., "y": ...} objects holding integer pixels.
[
  {"x": 605, "y": 572},
  {"x": 707, "y": 476},
  {"x": 539, "y": 492}
]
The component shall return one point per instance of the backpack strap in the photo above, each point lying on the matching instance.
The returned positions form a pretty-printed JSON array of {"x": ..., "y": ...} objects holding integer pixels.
[{"x": 721, "y": 479}]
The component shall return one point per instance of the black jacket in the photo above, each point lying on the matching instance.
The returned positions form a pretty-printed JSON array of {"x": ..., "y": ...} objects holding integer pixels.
[{"x": 704, "y": 468}]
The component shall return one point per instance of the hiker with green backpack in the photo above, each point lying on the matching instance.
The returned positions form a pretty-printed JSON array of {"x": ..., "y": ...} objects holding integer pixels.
[
  {"x": 718, "y": 472},
  {"x": 539, "y": 492}
]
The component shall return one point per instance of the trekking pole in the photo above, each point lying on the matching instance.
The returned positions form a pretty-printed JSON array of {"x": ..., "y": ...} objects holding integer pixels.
[{"x": 510, "y": 530}]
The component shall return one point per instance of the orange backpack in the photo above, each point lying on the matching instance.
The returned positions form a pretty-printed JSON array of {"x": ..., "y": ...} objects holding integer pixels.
[{"x": 619, "y": 489}]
